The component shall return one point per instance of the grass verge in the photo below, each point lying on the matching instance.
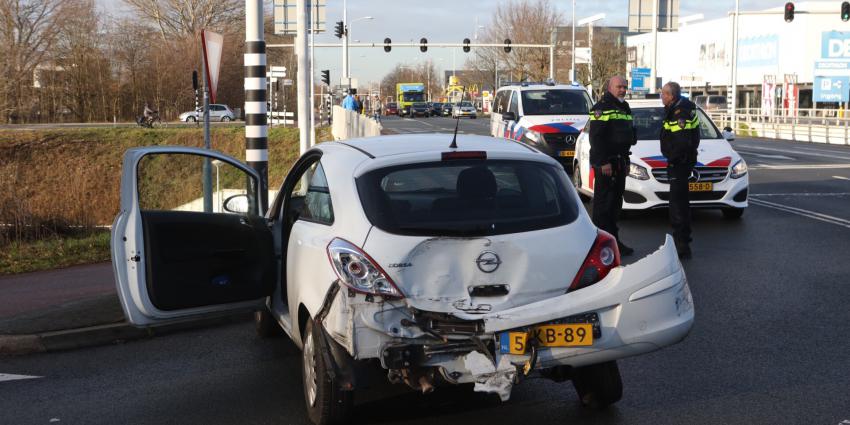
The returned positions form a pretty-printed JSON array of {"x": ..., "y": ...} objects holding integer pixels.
[{"x": 53, "y": 253}]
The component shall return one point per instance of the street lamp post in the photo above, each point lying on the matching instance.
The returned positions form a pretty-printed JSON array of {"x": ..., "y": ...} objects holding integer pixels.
[
  {"x": 573, "y": 67},
  {"x": 348, "y": 34},
  {"x": 589, "y": 21}
]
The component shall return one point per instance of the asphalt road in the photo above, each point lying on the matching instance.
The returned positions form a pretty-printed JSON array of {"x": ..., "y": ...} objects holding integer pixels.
[{"x": 769, "y": 345}]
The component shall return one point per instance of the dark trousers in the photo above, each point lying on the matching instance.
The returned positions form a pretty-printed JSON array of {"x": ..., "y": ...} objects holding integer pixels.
[
  {"x": 608, "y": 196},
  {"x": 680, "y": 206}
]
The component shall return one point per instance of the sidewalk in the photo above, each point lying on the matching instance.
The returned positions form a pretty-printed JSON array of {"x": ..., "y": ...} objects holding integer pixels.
[{"x": 69, "y": 308}]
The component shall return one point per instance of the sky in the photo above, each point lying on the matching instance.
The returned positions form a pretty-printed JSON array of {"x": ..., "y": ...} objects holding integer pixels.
[{"x": 450, "y": 21}]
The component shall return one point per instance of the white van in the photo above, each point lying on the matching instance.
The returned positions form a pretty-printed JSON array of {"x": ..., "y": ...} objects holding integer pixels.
[{"x": 547, "y": 116}]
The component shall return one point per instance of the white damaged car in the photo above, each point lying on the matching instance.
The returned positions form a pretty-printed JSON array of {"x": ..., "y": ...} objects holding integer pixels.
[
  {"x": 719, "y": 180},
  {"x": 439, "y": 264}
]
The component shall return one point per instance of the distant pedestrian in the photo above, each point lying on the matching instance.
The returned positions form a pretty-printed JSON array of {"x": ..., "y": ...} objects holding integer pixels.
[
  {"x": 679, "y": 143},
  {"x": 612, "y": 134},
  {"x": 349, "y": 103},
  {"x": 358, "y": 105},
  {"x": 376, "y": 109}
]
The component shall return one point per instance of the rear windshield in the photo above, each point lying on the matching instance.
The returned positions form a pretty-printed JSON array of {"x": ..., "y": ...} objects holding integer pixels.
[
  {"x": 467, "y": 198},
  {"x": 392, "y": 105},
  {"x": 555, "y": 102},
  {"x": 464, "y": 104},
  {"x": 648, "y": 124}
]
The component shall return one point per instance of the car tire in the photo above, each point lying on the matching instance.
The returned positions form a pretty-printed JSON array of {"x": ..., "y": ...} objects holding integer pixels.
[
  {"x": 732, "y": 213},
  {"x": 190, "y": 119},
  {"x": 577, "y": 183},
  {"x": 265, "y": 325},
  {"x": 326, "y": 403},
  {"x": 599, "y": 385},
  {"x": 225, "y": 119}
]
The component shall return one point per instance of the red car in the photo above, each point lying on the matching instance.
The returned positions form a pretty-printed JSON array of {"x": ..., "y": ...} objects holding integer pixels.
[{"x": 391, "y": 109}]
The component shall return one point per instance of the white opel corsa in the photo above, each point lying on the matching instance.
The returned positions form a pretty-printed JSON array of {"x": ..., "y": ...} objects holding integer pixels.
[
  {"x": 444, "y": 265},
  {"x": 719, "y": 180}
]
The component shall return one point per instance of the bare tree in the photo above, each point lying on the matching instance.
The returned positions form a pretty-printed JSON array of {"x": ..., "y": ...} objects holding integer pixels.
[
  {"x": 609, "y": 59},
  {"x": 28, "y": 30},
  {"x": 188, "y": 17},
  {"x": 522, "y": 21}
]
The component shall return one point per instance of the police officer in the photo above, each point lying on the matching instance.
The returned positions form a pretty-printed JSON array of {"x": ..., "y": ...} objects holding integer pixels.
[
  {"x": 612, "y": 133},
  {"x": 679, "y": 143}
]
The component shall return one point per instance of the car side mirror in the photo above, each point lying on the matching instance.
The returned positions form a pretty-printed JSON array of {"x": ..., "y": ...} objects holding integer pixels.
[
  {"x": 509, "y": 116},
  {"x": 236, "y": 204},
  {"x": 728, "y": 134}
]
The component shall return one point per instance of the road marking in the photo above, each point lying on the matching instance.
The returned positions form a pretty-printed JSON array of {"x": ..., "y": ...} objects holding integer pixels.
[
  {"x": 804, "y": 213},
  {"x": 799, "y": 167},
  {"x": 762, "y": 155},
  {"x": 813, "y": 152},
  {"x": 840, "y": 177},
  {"x": 759, "y": 195},
  {"x": 10, "y": 377}
]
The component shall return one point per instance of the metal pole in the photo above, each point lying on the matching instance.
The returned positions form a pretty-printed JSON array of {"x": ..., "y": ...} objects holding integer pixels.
[
  {"x": 653, "y": 72},
  {"x": 312, "y": 77},
  {"x": 345, "y": 69},
  {"x": 573, "y": 65},
  {"x": 590, "y": 45},
  {"x": 256, "y": 120},
  {"x": 304, "y": 71},
  {"x": 552, "y": 40},
  {"x": 733, "y": 117},
  {"x": 206, "y": 170}
]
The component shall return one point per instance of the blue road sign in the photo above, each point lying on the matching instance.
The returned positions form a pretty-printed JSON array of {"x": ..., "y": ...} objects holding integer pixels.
[
  {"x": 640, "y": 78},
  {"x": 831, "y": 89}
]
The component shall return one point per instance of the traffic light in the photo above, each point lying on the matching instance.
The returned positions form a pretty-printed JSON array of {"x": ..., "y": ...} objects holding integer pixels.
[
  {"x": 423, "y": 44},
  {"x": 465, "y": 45},
  {"x": 326, "y": 77},
  {"x": 789, "y": 12},
  {"x": 339, "y": 30},
  {"x": 845, "y": 11},
  {"x": 508, "y": 45},
  {"x": 388, "y": 45}
]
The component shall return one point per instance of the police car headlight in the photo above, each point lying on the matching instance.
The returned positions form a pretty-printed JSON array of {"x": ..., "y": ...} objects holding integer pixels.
[
  {"x": 638, "y": 172},
  {"x": 739, "y": 169},
  {"x": 533, "y": 136}
]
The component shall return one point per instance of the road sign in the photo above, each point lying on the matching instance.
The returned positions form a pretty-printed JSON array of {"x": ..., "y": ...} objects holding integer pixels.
[
  {"x": 831, "y": 89},
  {"x": 285, "y": 19},
  {"x": 640, "y": 79},
  {"x": 583, "y": 55},
  {"x": 287, "y": 82},
  {"x": 277, "y": 72}
]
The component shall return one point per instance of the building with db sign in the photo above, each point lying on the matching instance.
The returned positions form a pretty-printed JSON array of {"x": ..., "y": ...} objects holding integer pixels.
[{"x": 781, "y": 66}]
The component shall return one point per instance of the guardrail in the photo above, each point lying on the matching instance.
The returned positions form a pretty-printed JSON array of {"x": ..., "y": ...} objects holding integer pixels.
[
  {"x": 349, "y": 125},
  {"x": 817, "y": 126}
]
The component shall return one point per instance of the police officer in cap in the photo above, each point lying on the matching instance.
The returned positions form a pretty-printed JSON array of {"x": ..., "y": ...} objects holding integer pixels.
[
  {"x": 679, "y": 143},
  {"x": 612, "y": 133}
]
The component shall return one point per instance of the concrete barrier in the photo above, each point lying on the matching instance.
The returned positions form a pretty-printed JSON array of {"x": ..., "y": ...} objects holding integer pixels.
[{"x": 351, "y": 125}]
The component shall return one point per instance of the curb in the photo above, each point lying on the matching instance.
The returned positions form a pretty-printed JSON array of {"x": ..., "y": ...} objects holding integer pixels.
[{"x": 93, "y": 336}]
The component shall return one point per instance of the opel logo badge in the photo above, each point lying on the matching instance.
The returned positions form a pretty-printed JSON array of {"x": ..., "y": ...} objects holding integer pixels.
[
  {"x": 488, "y": 262},
  {"x": 694, "y": 176}
]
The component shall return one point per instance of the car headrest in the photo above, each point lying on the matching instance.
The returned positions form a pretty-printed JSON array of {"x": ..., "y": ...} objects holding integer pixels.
[{"x": 476, "y": 183}]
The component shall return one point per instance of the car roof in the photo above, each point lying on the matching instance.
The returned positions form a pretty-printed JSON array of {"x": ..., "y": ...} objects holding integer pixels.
[
  {"x": 645, "y": 103},
  {"x": 540, "y": 86},
  {"x": 400, "y": 144}
]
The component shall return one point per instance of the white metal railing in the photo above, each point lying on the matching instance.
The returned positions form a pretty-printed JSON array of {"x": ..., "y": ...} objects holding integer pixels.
[
  {"x": 810, "y": 125},
  {"x": 349, "y": 125}
]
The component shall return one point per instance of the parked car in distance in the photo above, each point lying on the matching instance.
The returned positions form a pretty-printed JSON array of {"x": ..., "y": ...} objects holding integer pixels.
[
  {"x": 711, "y": 102},
  {"x": 464, "y": 109},
  {"x": 218, "y": 112},
  {"x": 437, "y": 109},
  {"x": 413, "y": 257},
  {"x": 391, "y": 109},
  {"x": 419, "y": 109}
]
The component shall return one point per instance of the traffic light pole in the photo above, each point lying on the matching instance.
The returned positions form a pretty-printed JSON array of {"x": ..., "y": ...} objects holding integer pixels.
[{"x": 256, "y": 120}]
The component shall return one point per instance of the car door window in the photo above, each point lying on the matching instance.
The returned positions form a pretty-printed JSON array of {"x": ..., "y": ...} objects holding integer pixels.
[
  {"x": 178, "y": 182},
  {"x": 316, "y": 205}
]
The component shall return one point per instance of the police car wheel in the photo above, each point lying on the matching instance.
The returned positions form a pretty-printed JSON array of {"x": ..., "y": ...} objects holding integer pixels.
[{"x": 577, "y": 183}]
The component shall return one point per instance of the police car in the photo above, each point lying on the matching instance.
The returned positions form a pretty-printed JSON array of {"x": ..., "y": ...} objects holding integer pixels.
[
  {"x": 547, "y": 116},
  {"x": 719, "y": 179}
]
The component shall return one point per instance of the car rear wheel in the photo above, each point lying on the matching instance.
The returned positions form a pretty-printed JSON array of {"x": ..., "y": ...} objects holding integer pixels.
[
  {"x": 225, "y": 119},
  {"x": 326, "y": 403},
  {"x": 599, "y": 385},
  {"x": 577, "y": 182},
  {"x": 733, "y": 213},
  {"x": 190, "y": 119}
]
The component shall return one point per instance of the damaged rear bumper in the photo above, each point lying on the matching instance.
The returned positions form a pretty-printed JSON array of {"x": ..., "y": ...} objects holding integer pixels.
[{"x": 640, "y": 308}]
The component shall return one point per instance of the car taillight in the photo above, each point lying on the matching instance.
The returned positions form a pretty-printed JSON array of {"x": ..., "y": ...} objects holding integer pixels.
[
  {"x": 359, "y": 271},
  {"x": 603, "y": 257}
]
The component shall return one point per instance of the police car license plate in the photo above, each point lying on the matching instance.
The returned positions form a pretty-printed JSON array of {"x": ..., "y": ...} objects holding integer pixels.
[
  {"x": 562, "y": 335},
  {"x": 700, "y": 187},
  {"x": 567, "y": 153}
]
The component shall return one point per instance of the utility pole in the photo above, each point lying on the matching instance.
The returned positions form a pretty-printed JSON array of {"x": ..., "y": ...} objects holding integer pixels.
[
  {"x": 256, "y": 120},
  {"x": 734, "y": 96},
  {"x": 653, "y": 73},
  {"x": 312, "y": 27},
  {"x": 301, "y": 50},
  {"x": 573, "y": 67},
  {"x": 345, "y": 70}
]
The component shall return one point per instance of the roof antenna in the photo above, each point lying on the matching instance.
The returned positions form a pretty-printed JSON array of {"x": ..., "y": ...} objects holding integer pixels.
[{"x": 457, "y": 120}]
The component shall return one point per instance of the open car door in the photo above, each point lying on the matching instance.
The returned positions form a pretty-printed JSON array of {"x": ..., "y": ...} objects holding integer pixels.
[{"x": 189, "y": 240}]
